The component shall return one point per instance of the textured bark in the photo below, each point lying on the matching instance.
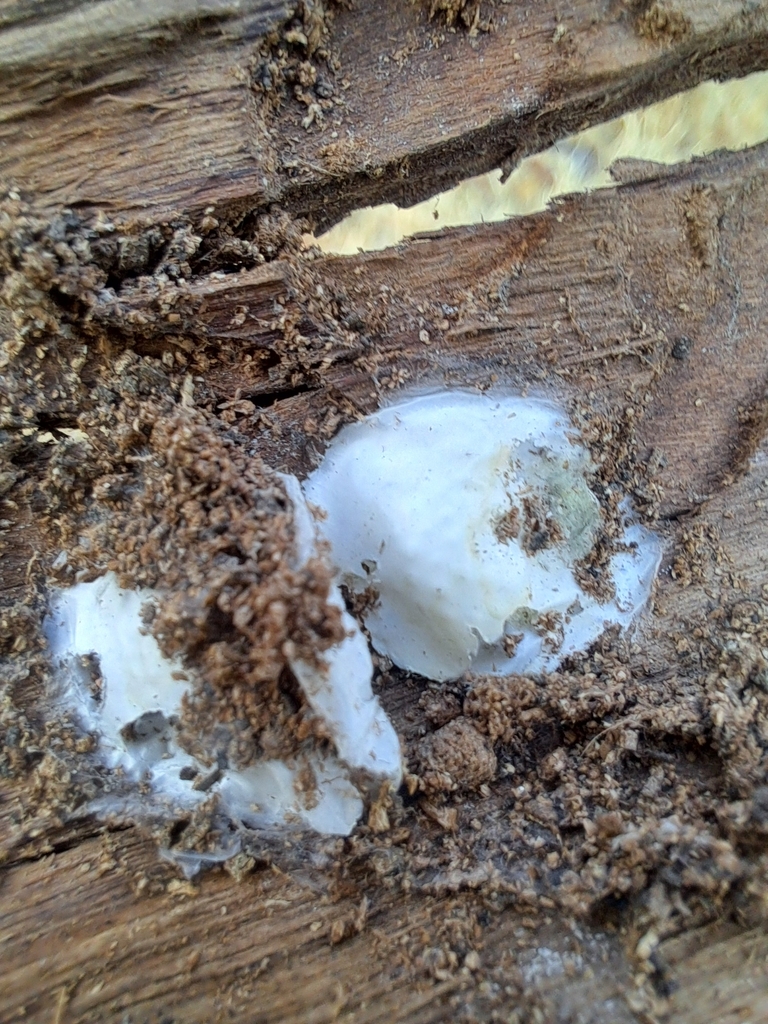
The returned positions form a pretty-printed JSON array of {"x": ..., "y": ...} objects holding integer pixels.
[
  {"x": 154, "y": 109},
  {"x": 655, "y": 287},
  {"x": 645, "y": 303}
]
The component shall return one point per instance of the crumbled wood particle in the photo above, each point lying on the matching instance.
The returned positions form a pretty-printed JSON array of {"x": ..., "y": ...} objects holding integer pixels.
[
  {"x": 506, "y": 527},
  {"x": 296, "y": 61},
  {"x": 702, "y": 212},
  {"x": 466, "y": 14},
  {"x": 695, "y": 552},
  {"x": 456, "y": 756},
  {"x": 662, "y": 23}
]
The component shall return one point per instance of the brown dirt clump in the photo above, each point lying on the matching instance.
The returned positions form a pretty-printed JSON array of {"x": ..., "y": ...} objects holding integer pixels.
[{"x": 457, "y": 756}]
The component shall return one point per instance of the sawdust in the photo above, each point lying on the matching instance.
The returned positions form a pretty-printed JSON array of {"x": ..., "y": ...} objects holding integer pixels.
[
  {"x": 464, "y": 14},
  {"x": 662, "y": 23},
  {"x": 454, "y": 757},
  {"x": 296, "y": 62},
  {"x": 586, "y": 790}
]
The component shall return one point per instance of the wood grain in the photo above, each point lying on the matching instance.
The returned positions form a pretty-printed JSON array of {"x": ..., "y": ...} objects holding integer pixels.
[
  {"x": 643, "y": 303},
  {"x": 106, "y": 930},
  {"x": 647, "y": 296},
  {"x": 156, "y": 112}
]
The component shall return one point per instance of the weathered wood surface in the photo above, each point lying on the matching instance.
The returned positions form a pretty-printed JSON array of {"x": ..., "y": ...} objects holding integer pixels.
[
  {"x": 101, "y": 928},
  {"x": 590, "y": 298},
  {"x": 650, "y": 297},
  {"x": 155, "y": 109},
  {"x": 74, "y": 41},
  {"x": 106, "y": 932}
]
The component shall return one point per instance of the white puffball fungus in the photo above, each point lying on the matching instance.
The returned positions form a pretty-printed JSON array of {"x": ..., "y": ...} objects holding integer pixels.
[
  {"x": 466, "y": 515},
  {"x": 462, "y": 517},
  {"x": 342, "y": 695},
  {"x": 115, "y": 681}
]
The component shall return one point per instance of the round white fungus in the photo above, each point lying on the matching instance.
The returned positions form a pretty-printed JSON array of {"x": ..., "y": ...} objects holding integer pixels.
[{"x": 464, "y": 517}]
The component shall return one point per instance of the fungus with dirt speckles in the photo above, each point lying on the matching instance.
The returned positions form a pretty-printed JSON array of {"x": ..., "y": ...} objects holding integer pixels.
[
  {"x": 114, "y": 680},
  {"x": 466, "y": 515}
]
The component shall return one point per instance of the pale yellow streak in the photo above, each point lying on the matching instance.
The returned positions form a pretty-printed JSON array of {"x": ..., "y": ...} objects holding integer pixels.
[{"x": 728, "y": 115}]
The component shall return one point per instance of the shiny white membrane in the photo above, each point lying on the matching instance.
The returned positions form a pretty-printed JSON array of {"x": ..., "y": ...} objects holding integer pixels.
[
  {"x": 114, "y": 680},
  {"x": 467, "y": 514}
]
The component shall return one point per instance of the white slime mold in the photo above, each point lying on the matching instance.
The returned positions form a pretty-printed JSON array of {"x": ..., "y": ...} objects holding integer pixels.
[{"x": 467, "y": 514}]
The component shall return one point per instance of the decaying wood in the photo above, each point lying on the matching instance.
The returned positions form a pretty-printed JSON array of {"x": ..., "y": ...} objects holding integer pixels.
[
  {"x": 103, "y": 930},
  {"x": 79, "y": 41},
  {"x": 644, "y": 305},
  {"x": 162, "y": 111},
  {"x": 490, "y": 300},
  {"x": 654, "y": 289}
]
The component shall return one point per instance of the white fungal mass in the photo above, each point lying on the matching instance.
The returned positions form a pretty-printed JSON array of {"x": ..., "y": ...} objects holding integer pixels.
[
  {"x": 467, "y": 514},
  {"x": 115, "y": 681}
]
